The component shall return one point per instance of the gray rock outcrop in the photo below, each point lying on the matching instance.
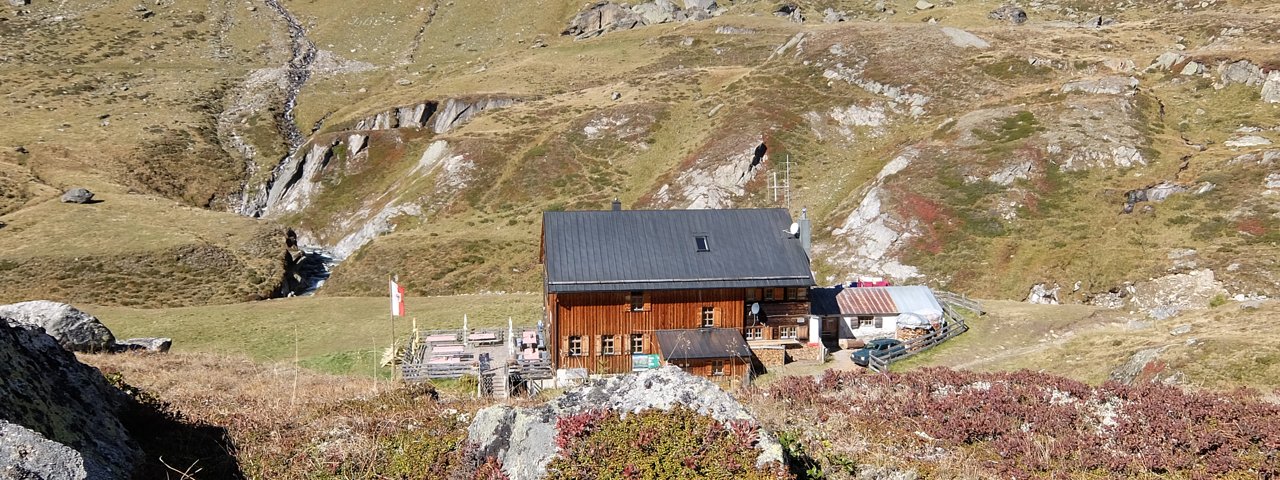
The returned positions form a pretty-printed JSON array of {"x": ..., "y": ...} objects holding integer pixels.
[
  {"x": 1271, "y": 87},
  {"x": 1170, "y": 295},
  {"x": 601, "y": 18},
  {"x": 149, "y": 344},
  {"x": 75, "y": 330},
  {"x": 457, "y": 111},
  {"x": 19, "y": 3},
  {"x": 1009, "y": 13},
  {"x": 1111, "y": 85},
  {"x": 524, "y": 438},
  {"x": 1129, "y": 372},
  {"x": 1244, "y": 72},
  {"x": 1043, "y": 295},
  {"x": 605, "y": 16},
  {"x": 77, "y": 195},
  {"x": 58, "y": 417}
]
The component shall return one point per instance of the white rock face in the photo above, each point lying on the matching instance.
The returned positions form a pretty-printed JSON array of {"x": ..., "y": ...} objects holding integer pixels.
[
  {"x": 1009, "y": 174},
  {"x": 1247, "y": 141},
  {"x": 524, "y": 438},
  {"x": 855, "y": 115},
  {"x": 1113, "y": 85},
  {"x": 1166, "y": 61},
  {"x": 711, "y": 184},
  {"x": 1043, "y": 295},
  {"x": 963, "y": 39},
  {"x": 870, "y": 236},
  {"x": 902, "y": 100},
  {"x": 1271, "y": 87},
  {"x": 1170, "y": 295},
  {"x": 288, "y": 196}
]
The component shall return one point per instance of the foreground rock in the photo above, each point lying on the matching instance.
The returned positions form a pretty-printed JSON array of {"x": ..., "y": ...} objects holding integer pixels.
[
  {"x": 524, "y": 438},
  {"x": 77, "y": 195},
  {"x": 75, "y": 330},
  {"x": 58, "y": 417}
]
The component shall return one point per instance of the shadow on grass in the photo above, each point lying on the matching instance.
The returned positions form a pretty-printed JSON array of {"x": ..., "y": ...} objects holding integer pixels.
[{"x": 174, "y": 446}]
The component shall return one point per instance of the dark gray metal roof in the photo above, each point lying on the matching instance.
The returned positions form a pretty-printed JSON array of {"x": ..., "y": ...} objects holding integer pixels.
[
  {"x": 702, "y": 343},
  {"x": 603, "y": 250}
]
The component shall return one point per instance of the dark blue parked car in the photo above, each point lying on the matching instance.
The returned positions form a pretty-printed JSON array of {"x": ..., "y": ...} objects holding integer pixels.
[{"x": 881, "y": 347}]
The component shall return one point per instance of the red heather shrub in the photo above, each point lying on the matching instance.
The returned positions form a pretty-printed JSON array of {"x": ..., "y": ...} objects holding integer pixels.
[
  {"x": 656, "y": 444},
  {"x": 1034, "y": 425}
]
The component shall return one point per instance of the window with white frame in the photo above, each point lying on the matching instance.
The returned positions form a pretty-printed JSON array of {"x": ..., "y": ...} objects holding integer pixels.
[
  {"x": 708, "y": 317},
  {"x": 717, "y": 367},
  {"x": 607, "y": 345},
  {"x": 575, "y": 346},
  {"x": 755, "y": 333},
  {"x": 787, "y": 332},
  {"x": 637, "y": 343}
]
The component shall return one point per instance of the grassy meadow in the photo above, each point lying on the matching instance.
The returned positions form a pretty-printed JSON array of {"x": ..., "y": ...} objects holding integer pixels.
[{"x": 331, "y": 334}]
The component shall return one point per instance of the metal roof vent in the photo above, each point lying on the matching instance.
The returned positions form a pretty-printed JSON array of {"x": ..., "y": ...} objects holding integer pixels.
[{"x": 617, "y": 205}]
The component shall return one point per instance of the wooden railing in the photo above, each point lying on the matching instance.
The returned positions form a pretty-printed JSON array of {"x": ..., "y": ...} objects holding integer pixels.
[{"x": 953, "y": 325}]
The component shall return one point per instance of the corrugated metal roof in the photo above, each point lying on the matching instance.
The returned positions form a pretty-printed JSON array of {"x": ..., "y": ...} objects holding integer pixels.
[
  {"x": 866, "y": 301},
  {"x": 603, "y": 250},
  {"x": 914, "y": 298},
  {"x": 702, "y": 343},
  {"x": 877, "y": 300}
]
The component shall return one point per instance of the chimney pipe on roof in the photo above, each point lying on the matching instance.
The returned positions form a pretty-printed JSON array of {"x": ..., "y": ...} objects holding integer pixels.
[
  {"x": 806, "y": 233},
  {"x": 617, "y": 205}
]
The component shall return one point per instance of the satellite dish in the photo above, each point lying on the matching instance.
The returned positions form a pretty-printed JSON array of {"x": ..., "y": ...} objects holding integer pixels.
[
  {"x": 755, "y": 308},
  {"x": 795, "y": 228}
]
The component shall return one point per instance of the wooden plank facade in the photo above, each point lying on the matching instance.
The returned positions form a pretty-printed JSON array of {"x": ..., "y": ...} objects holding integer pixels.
[{"x": 598, "y": 331}]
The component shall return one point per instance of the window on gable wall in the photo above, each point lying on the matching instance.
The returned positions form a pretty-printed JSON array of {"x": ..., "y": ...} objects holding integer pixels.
[
  {"x": 637, "y": 301},
  {"x": 637, "y": 343},
  {"x": 708, "y": 317}
]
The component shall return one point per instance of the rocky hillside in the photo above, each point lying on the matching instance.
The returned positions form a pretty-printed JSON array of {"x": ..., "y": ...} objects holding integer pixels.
[{"x": 976, "y": 146}]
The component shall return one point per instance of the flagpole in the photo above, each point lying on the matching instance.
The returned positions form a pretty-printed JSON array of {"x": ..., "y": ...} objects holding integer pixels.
[{"x": 391, "y": 317}]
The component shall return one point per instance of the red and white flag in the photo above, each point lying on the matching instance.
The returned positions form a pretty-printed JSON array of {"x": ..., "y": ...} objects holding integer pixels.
[{"x": 397, "y": 299}]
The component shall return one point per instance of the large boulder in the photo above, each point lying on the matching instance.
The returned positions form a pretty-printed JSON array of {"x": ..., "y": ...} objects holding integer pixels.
[
  {"x": 58, "y": 417},
  {"x": 660, "y": 11},
  {"x": 602, "y": 17},
  {"x": 1009, "y": 13},
  {"x": 77, "y": 195},
  {"x": 75, "y": 330},
  {"x": 523, "y": 439}
]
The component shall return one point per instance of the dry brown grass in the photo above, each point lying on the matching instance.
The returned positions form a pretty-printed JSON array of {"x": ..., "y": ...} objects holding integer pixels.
[{"x": 285, "y": 422}]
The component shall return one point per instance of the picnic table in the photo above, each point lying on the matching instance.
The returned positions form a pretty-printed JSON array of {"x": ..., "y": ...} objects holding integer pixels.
[
  {"x": 483, "y": 337},
  {"x": 447, "y": 349},
  {"x": 444, "y": 359},
  {"x": 441, "y": 338}
]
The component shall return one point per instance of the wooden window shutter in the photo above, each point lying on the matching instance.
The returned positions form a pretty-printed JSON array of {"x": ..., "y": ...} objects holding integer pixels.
[
  {"x": 597, "y": 346},
  {"x": 564, "y": 345},
  {"x": 717, "y": 317},
  {"x": 879, "y": 321},
  {"x": 626, "y": 343},
  {"x": 645, "y": 297}
]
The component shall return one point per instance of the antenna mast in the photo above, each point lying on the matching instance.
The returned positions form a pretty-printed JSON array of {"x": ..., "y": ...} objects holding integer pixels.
[{"x": 785, "y": 185}]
